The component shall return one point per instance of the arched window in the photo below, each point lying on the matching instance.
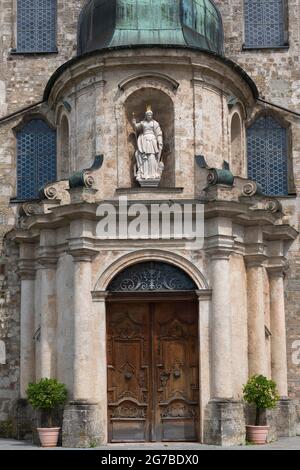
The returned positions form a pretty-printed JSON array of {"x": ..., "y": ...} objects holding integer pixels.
[
  {"x": 36, "y": 158},
  {"x": 36, "y": 26},
  {"x": 267, "y": 156},
  {"x": 264, "y": 23},
  {"x": 152, "y": 276},
  {"x": 237, "y": 154},
  {"x": 64, "y": 156}
]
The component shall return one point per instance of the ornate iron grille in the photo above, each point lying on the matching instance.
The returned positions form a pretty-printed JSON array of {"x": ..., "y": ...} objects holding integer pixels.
[
  {"x": 264, "y": 23},
  {"x": 36, "y": 26},
  {"x": 267, "y": 156},
  {"x": 36, "y": 158},
  {"x": 152, "y": 276}
]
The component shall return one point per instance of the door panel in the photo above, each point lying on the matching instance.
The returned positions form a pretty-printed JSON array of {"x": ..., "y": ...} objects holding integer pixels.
[
  {"x": 128, "y": 372},
  {"x": 153, "y": 389},
  {"x": 177, "y": 390}
]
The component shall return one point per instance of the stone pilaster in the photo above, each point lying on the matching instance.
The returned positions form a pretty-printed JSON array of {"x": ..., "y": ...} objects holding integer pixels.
[
  {"x": 48, "y": 346},
  {"x": 27, "y": 346},
  {"x": 81, "y": 423},
  {"x": 221, "y": 326},
  {"x": 286, "y": 411},
  {"x": 278, "y": 331},
  {"x": 224, "y": 422},
  {"x": 82, "y": 334},
  {"x": 256, "y": 315}
]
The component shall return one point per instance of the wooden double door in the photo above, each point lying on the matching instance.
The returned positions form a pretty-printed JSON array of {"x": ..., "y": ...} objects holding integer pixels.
[{"x": 153, "y": 371}]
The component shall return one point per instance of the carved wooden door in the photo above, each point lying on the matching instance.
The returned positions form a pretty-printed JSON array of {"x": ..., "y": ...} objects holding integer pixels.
[
  {"x": 176, "y": 372},
  {"x": 152, "y": 354}
]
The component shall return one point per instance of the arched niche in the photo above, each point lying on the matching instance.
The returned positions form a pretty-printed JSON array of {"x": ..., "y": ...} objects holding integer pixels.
[
  {"x": 163, "y": 109},
  {"x": 236, "y": 145},
  {"x": 64, "y": 148}
]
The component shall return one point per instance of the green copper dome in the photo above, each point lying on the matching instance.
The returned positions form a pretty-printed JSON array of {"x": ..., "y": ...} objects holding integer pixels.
[{"x": 113, "y": 23}]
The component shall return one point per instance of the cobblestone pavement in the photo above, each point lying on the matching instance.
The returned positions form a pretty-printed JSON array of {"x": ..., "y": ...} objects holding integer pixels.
[{"x": 291, "y": 443}]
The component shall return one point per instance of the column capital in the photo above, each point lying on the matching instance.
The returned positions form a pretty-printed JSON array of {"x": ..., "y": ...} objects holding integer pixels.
[
  {"x": 255, "y": 260},
  {"x": 26, "y": 268},
  {"x": 83, "y": 255},
  {"x": 219, "y": 246},
  {"x": 277, "y": 267},
  {"x": 47, "y": 257}
]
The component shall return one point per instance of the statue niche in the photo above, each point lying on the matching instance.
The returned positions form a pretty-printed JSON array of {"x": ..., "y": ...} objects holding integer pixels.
[
  {"x": 149, "y": 142},
  {"x": 149, "y": 156}
]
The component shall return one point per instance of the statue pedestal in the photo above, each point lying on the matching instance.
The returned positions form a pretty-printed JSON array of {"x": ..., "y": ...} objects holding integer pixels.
[{"x": 149, "y": 183}]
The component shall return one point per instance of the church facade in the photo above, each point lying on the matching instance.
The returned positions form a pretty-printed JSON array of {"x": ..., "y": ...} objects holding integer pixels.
[{"x": 110, "y": 111}]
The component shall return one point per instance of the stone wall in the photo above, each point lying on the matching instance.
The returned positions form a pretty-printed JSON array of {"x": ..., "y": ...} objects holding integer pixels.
[{"x": 9, "y": 333}]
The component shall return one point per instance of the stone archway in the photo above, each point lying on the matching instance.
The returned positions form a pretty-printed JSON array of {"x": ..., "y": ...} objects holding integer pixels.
[
  {"x": 152, "y": 354},
  {"x": 110, "y": 304}
]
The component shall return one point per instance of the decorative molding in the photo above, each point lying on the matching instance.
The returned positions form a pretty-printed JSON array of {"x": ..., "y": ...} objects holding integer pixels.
[
  {"x": 30, "y": 208},
  {"x": 271, "y": 205},
  {"x": 251, "y": 188},
  {"x": 156, "y": 75},
  {"x": 220, "y": 176},
  {"x": 150, "y": 255},
  {"x": 50, "y": 192},
  {"x": 205, "y": 294},
  {"x": 84, "y": 177}
]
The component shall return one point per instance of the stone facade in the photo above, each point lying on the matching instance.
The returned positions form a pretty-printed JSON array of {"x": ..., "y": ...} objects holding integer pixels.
[{"x": 103, "y": 90}]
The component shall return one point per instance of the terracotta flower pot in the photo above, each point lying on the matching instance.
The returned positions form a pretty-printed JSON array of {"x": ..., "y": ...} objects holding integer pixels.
[
  {"x": 48, "y": 436},
  {"x": 257, "y": 434}
]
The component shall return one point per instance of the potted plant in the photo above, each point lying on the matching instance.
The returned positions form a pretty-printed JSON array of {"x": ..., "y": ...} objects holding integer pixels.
[
  {"x": 46, "y": 395},
  {"x": 262, "y": 393}
]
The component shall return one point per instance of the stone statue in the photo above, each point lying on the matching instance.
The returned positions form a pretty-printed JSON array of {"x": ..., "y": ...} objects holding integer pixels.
[{"x": 149, "y": 166}]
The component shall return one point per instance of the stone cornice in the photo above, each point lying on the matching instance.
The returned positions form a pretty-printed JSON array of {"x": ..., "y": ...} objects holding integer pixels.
[
  {"x": 280, "y": 232},
  {"x": 238, "y": 212},
  {"x": 96, "y": 63}
]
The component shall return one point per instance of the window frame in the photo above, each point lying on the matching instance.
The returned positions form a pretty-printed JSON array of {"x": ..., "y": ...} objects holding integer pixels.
[
  {"x": 290, "y": 185},
  {"x": 18, "y": 51},
  {"x": 29, "y": 119},
  {"x": 283, "y": 46}
]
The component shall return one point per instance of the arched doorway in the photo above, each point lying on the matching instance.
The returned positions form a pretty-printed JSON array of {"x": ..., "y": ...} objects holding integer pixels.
[{"x": 152, "y": 355}]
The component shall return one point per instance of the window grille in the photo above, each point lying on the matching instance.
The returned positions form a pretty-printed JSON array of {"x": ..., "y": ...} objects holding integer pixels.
[
  {"x": 36, "y": 158},
  {"x": 264, "y": 23},
  {"x": 36, "y": 26},
  {"x": 267, "y": 156}
]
